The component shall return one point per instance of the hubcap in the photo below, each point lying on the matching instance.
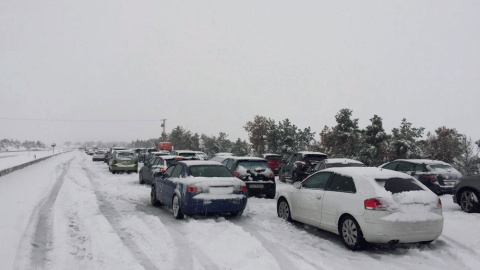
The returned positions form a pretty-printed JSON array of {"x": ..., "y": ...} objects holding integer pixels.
[
  {"x": 283, "y": 210},
  {"x": 349, "y": 232},
  {"x": 467, "y": 200},
  {"x": 176, "y": 206}
]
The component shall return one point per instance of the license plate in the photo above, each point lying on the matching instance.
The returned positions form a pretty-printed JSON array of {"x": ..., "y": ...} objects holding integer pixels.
[{"x": 256, "y": 186}]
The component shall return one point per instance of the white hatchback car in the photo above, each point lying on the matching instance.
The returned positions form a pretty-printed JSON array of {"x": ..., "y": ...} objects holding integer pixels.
[{"x": 365, "y": 205}]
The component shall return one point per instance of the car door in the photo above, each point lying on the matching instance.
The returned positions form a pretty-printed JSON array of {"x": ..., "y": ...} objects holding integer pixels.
[
  {"x": 170, "y": 183},
  {"x": 147, "y": 175},
  {"x": 160, "y": 184},
  {"x": 307, "y": 201},
  {"x": 291, "y": 165},
  {"x": 339, "y": 192}
]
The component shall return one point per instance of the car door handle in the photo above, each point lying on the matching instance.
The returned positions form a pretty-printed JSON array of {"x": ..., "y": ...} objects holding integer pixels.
[{"x": 319, "y": 197}]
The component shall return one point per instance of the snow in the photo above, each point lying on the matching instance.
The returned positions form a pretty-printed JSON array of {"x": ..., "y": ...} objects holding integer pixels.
[
  {"x": 99, "y": 220},
  {"x": 10, "y": 159}
]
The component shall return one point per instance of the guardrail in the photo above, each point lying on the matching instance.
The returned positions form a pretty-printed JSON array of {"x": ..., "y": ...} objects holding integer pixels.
[{"x": 21, "y": 166}]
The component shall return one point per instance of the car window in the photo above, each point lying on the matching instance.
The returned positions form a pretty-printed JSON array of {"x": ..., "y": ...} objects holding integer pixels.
[
  {"x": 405, "y": 167},
  {"x": 177, "y": 171},
  {"x": 336, "y": 165},
  {"x": 340, "y": 183},
  {"x": 289, "y": 159},
  {"x": 317, "y": 181},
  {"x": 172, "y": 161},
  {"x": 418, "y": 168},
  {"x": 279, "y": 158},
  {"x": 398, "y": 185},
  {"x": 311, "y": 158},
  {"x": 230, "y": 163},
  {"x": 126, "y": 154},
  {"x": 158, "y": 161},
  {"x": 391, "y": 165},
  {"x": 151, "y": 162},
  {"x": 169, "y": 170}
]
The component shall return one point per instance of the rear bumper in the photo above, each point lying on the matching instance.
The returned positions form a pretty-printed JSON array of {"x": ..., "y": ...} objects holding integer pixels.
[
  {"x": 226, "y": 203},
  {"x": 380, "y": 231},
  {"x": 125, "y": 168}
]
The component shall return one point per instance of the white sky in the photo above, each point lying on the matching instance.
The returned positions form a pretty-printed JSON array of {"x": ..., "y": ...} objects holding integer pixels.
[{"x": 210, "y": 66}]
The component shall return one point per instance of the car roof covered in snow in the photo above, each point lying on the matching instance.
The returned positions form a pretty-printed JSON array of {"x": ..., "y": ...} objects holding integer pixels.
[
  {"x": 200, "y": 162},
  {"x": 311, "y": 153},
  {"x": 342, "y": 160},
  {"x": 421, "y": 161},
  {"x": 247, "y": 158}
]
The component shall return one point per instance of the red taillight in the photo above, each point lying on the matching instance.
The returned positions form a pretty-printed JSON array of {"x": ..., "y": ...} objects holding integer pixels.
[
  {"x": 439, "y": 203},
  {"x": 431, "y": 177},
  {"x": 243, "y": 188},
  {"x": 375, "y": 204},
  {"x": 164, "y": 169},
  {"x": 301, "y": 163},
  {"x": 193, "y": 189},
  {"x": 238, "y": 175}
]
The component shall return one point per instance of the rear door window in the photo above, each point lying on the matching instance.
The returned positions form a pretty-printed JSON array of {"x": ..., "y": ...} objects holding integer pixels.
[
  {"x": 391, "y": 166},
  {"x": 398, "y": 185},
  {"x": 341, "y": 183},
  {"x": 177, "y": 171},
  {"x": 405, "y": 167}
]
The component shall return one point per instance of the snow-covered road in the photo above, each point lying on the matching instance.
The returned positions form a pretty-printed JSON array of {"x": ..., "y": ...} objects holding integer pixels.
[{"x": 71, "y": 213}]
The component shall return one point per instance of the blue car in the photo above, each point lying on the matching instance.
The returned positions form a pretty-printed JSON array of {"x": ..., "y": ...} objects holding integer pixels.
[{"x": 199, "y": 187}]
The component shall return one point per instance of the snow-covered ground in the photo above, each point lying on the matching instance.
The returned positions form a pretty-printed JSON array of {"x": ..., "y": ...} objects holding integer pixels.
[
  {"x": 70, "y": 213},
  {"x": 12, "y": 158}
]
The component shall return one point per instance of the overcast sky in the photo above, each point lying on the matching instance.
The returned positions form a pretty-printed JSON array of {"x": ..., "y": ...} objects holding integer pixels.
[{"x": 211, "y": 66}]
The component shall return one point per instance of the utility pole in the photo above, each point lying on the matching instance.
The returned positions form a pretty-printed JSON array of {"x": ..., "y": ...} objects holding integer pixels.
[{"x": 163, "y": 126}]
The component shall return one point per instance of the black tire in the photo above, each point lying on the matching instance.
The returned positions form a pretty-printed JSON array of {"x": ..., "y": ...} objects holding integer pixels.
[
  {"x": 140, "y": 179},
  {"x": 469, "y": 201},
  {"x": 426, "y": 242},
  {"x": 177, "y": 210},
  {"x": 351, "y": 233},
  {"x": 271, "y": 195},
  {"x": 283, "y": 210},
  {"x": 236, "y": 213},
  {"x": 153, "y": 197},
  {"x": 281, "y": 177}
]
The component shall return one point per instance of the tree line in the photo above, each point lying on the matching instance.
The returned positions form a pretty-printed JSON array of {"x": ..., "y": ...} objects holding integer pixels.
[
  {"x": 372, "y": 145},
  {"x": 8, "y": 144}
]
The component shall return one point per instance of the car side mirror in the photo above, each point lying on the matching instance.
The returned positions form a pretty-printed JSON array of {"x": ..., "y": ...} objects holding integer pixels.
[{"x": 297, "y": 185}]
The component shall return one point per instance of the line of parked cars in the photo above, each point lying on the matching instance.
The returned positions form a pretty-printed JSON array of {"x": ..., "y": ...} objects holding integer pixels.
[{"x": 395, "y": 203}]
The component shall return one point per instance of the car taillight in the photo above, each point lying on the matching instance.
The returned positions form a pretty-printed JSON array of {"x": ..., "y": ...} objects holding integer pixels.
[
  {"x": 193, "y": 189},
  {"x": 301, "y": 163},
  {"x": 238, "y": 175},
  {"x": 271, "y": 175},
  {"x": 243, "y": 188},
  {"x": 439, "y": 203},
  {"x": 431, "y": 177},
  {"x": 375, "y": 204},
  {"x": 164, "y": 169}
]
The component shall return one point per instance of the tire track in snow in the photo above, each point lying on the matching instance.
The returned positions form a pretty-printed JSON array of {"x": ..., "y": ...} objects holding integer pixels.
[
  {"x": 42, "y": 239},
  {"x": 113, "y": 216}
]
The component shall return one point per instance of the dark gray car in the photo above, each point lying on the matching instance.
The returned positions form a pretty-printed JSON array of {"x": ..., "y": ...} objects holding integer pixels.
[{"x": 467, "y": 192}]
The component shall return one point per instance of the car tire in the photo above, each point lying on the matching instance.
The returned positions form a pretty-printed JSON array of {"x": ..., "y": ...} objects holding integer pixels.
[
  {"x": 351, "y": 233},
  {"x": 153, "y": 197},
  {"x": 271, "y": 195},
  {"x": 140, "y": 179},
  {"x": 283, "y": 210},
  {"x": 469, "y": 201},
  {"x": 236, "y": 213},
  {"x": 281, "y": 177},
  {"x": 177, "y": 210}
]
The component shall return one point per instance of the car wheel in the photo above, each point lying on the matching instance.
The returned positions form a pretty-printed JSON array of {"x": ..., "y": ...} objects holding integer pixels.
[
  {"x": 153, "y": 197},
  {"x": 469, "y": 201},
  {"x": 426, "y": 242},
  {"x": 271, "y": 195},
  {"x": 177, "y": 211},
  {"x": 140, "y": 179},
  {"x": 236, "y": 213},
  {"x": 283, "y": 210},
  {"x": 281, "y": 177},
  {"x": 351, "y": 233}
]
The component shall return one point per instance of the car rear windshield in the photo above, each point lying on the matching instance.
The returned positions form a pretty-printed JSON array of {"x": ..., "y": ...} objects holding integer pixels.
[
  {"x": 398, "y": 185},
  {"x": 125, "y": 154},
  {"x": 210, "y": 171},
  {"x": 152, "y": 150},
  {"x": 310, "y": 158},
  {"x": 440, "y": 166},
  {"x": 253, "y": 164},
  {"x": 187, "y": 154},
  {"x": 274, "y": 158}
]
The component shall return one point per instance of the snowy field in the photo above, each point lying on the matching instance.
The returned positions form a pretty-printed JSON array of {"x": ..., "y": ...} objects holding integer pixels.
[
  {"x": 11, "y": 158},
  {"x": 70, "y": 213}
]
